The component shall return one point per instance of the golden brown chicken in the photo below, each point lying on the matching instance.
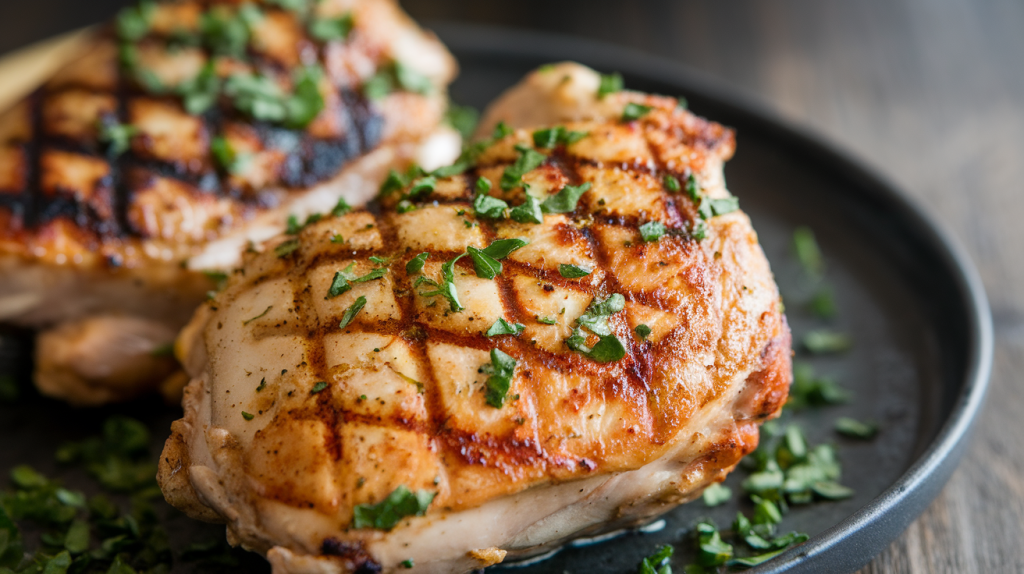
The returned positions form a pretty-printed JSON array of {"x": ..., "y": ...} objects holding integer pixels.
[
  {"x": 184, "y": 133},
  {"x": 569, "y": 332}
]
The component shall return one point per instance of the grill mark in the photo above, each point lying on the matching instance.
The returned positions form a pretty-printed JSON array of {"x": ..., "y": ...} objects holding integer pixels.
[{"x": 315, "y": 160}]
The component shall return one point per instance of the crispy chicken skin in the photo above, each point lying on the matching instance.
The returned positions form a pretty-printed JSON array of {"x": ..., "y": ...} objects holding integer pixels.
[
  {"x": 182, "y": 134},
  {"x": 313, "y": 399}
]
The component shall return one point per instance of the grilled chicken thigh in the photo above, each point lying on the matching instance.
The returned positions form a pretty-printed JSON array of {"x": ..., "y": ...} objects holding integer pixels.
[
  {"x": 569, "y": 332},
  {"x": 184, "y": 133}
]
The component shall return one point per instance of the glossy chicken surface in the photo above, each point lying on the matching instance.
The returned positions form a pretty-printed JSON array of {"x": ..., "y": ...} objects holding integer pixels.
[
  {"x": 184, "y": 132},
  {"x": 371, "y": 392}
]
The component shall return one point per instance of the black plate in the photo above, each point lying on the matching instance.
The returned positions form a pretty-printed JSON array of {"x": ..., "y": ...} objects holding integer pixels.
[{"x": 911, "y": 301}]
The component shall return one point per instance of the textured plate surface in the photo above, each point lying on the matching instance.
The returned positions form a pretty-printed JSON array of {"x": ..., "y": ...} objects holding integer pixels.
[{"x": 910, "y": 301}]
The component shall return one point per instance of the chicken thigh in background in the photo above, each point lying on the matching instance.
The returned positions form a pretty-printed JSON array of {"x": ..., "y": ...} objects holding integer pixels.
[{"x": 186, "y": 131}]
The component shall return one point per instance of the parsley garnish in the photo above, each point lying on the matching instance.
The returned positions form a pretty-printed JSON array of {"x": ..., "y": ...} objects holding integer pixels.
[
  {"x": 343, "y": 279},
  {"x": 712, "y": 550},
  {"x": 565, "y": 200},
  {"x": 341, "y": 208},
  {"x": 462, "y": 118},
  {"x": 286, "y": 248},
  {"x": 415, "y": 265},
  {"x": 248, "y": 416},
  {"x": 115, "y": 135},
  {"x": 500, "y": 371},
  {"x": 263, "y": 314},
  {"x": 657, "y": 563},
  {"x": 528, "y": 160},
  {"x": 487, "y": 262},
  {"x": 528, "y": 212},
  {"x": 227, "y": 157},
  {"x": 386, "y": 514},
  {"x": 396, "y": 76},
  {"x": 293, "y": 227},
  {"x": 558, "y": 135},
  {"x": 854, "y": 428},
  {"x": 808, "y": 253},
  {"x": 133, "y": 22},
  {"x": 446, "y": 288},
  {"x": 573, "y": 271},
  {"x": 608, "y": 348},
  {"x": 503, "y": 327},
  {"x": 485, "y": 205},
  {"x": 672, "y": 183},
  {"x": 652, "y": 231},
  {"x": 318, "y": 388},
  {"x": 634, "y": 111},
  {"x": 547, "y": 320},
  {"x": 407, "y": 563},
  {"x": 200, "y": 92},
  {"x": 262, "y": 98},
  {"x": 716, "y": 494},
  {"x": 351, "y": 312},
  {"x": 262, "y": 385},
  {"x": 822, "y": 341},
  {"x": 224, "y": 33},
  {"x": 327, "y": 29},
  {"x": 610, "y": 84},
  {"x": 642, "y": 331}
]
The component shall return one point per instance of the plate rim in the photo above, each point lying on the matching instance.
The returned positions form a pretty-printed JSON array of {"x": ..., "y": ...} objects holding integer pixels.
[{"x": 862, "y": 535}]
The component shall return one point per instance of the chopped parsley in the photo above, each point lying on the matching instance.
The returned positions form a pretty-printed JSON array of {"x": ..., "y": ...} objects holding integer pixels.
[
  {"x": 328, "y": 29},
  {"x": 809, "y": 390},
  {"x": 565, "y": 200},
  {"x": 387, "y": 513},
  {"x": 341, "y": 208},
  {"x": 263, "y": 99},
  {"x": 642, "y": 331},
  {"x": 134, "y": 22},
  {"x": 573, "y": 271},
  {"x": 115, "y": 135},
  {"x": 610, "y": 84},
  {"x": 415, "y": 265},
  {"x": 260, "y": 316},
  {"x": 286, "y": 248},
  {"x": 547, "y": 320},
  {"x": 822, "y": 304},
  {"x": 262, "y": 385},
  {"x": 248, "y": 416},
  {"x": 634, "y": 111},
  {"x": 293, "y": 227},
  {"x": 712, "y": 550},
  {"x": 200, "y": 92},
  {"x": 318, "y": 387},
  {"x": 503, "y": 327},
  {"x": 462, "y": 118},
  {"x": 608, "y": 348},
  {"x": 808, "y": 253},
  {"x": 716, "y": 493},
  {"x": 485, "y": 205},
  {"x": 351, "y": 312},
  {"x": 550, "y": 137},
  {"x": 227, "y": 157},
  {"x": 499, "y": 380},
  {"x": 672, "y": 183},
  {"x": 446, "y": 288},
  {"x": 528, "y": 212},
  {"x": 822, "y": 341},
  {"x": 343, "y": 279},
  {"x": 226, "y": 34},
  {"x": 652, "y": 231},
  {"x": 396, "y": 76},
  {"x": 854, "y": 428},
  {"x": 486, "y": 262},
  {"x": 706, "y": 207},
  {"x": 657, "y": 563},
  {"x": 528, "y": 160}
]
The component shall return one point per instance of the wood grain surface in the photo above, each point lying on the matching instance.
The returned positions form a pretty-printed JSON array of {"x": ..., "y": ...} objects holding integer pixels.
[{"x": 930, "y": 93}]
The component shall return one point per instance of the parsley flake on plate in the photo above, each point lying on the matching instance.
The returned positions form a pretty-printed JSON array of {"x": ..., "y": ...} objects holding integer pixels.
[
  {"x": 529, "y": 159},
  {"x": 503, "y": 327},
  {"x": 634, "y": 111},
  {"x": 573, "y": 271},
  {"x": 565, "y": 200},
  {"x": 352, "y": 311},
  {"x": 499, "y": 380},
  {"x": 610, "y": 84}
]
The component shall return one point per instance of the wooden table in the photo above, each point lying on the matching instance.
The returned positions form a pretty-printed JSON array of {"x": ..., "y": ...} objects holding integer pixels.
[{"x": 929, "y": 93}]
